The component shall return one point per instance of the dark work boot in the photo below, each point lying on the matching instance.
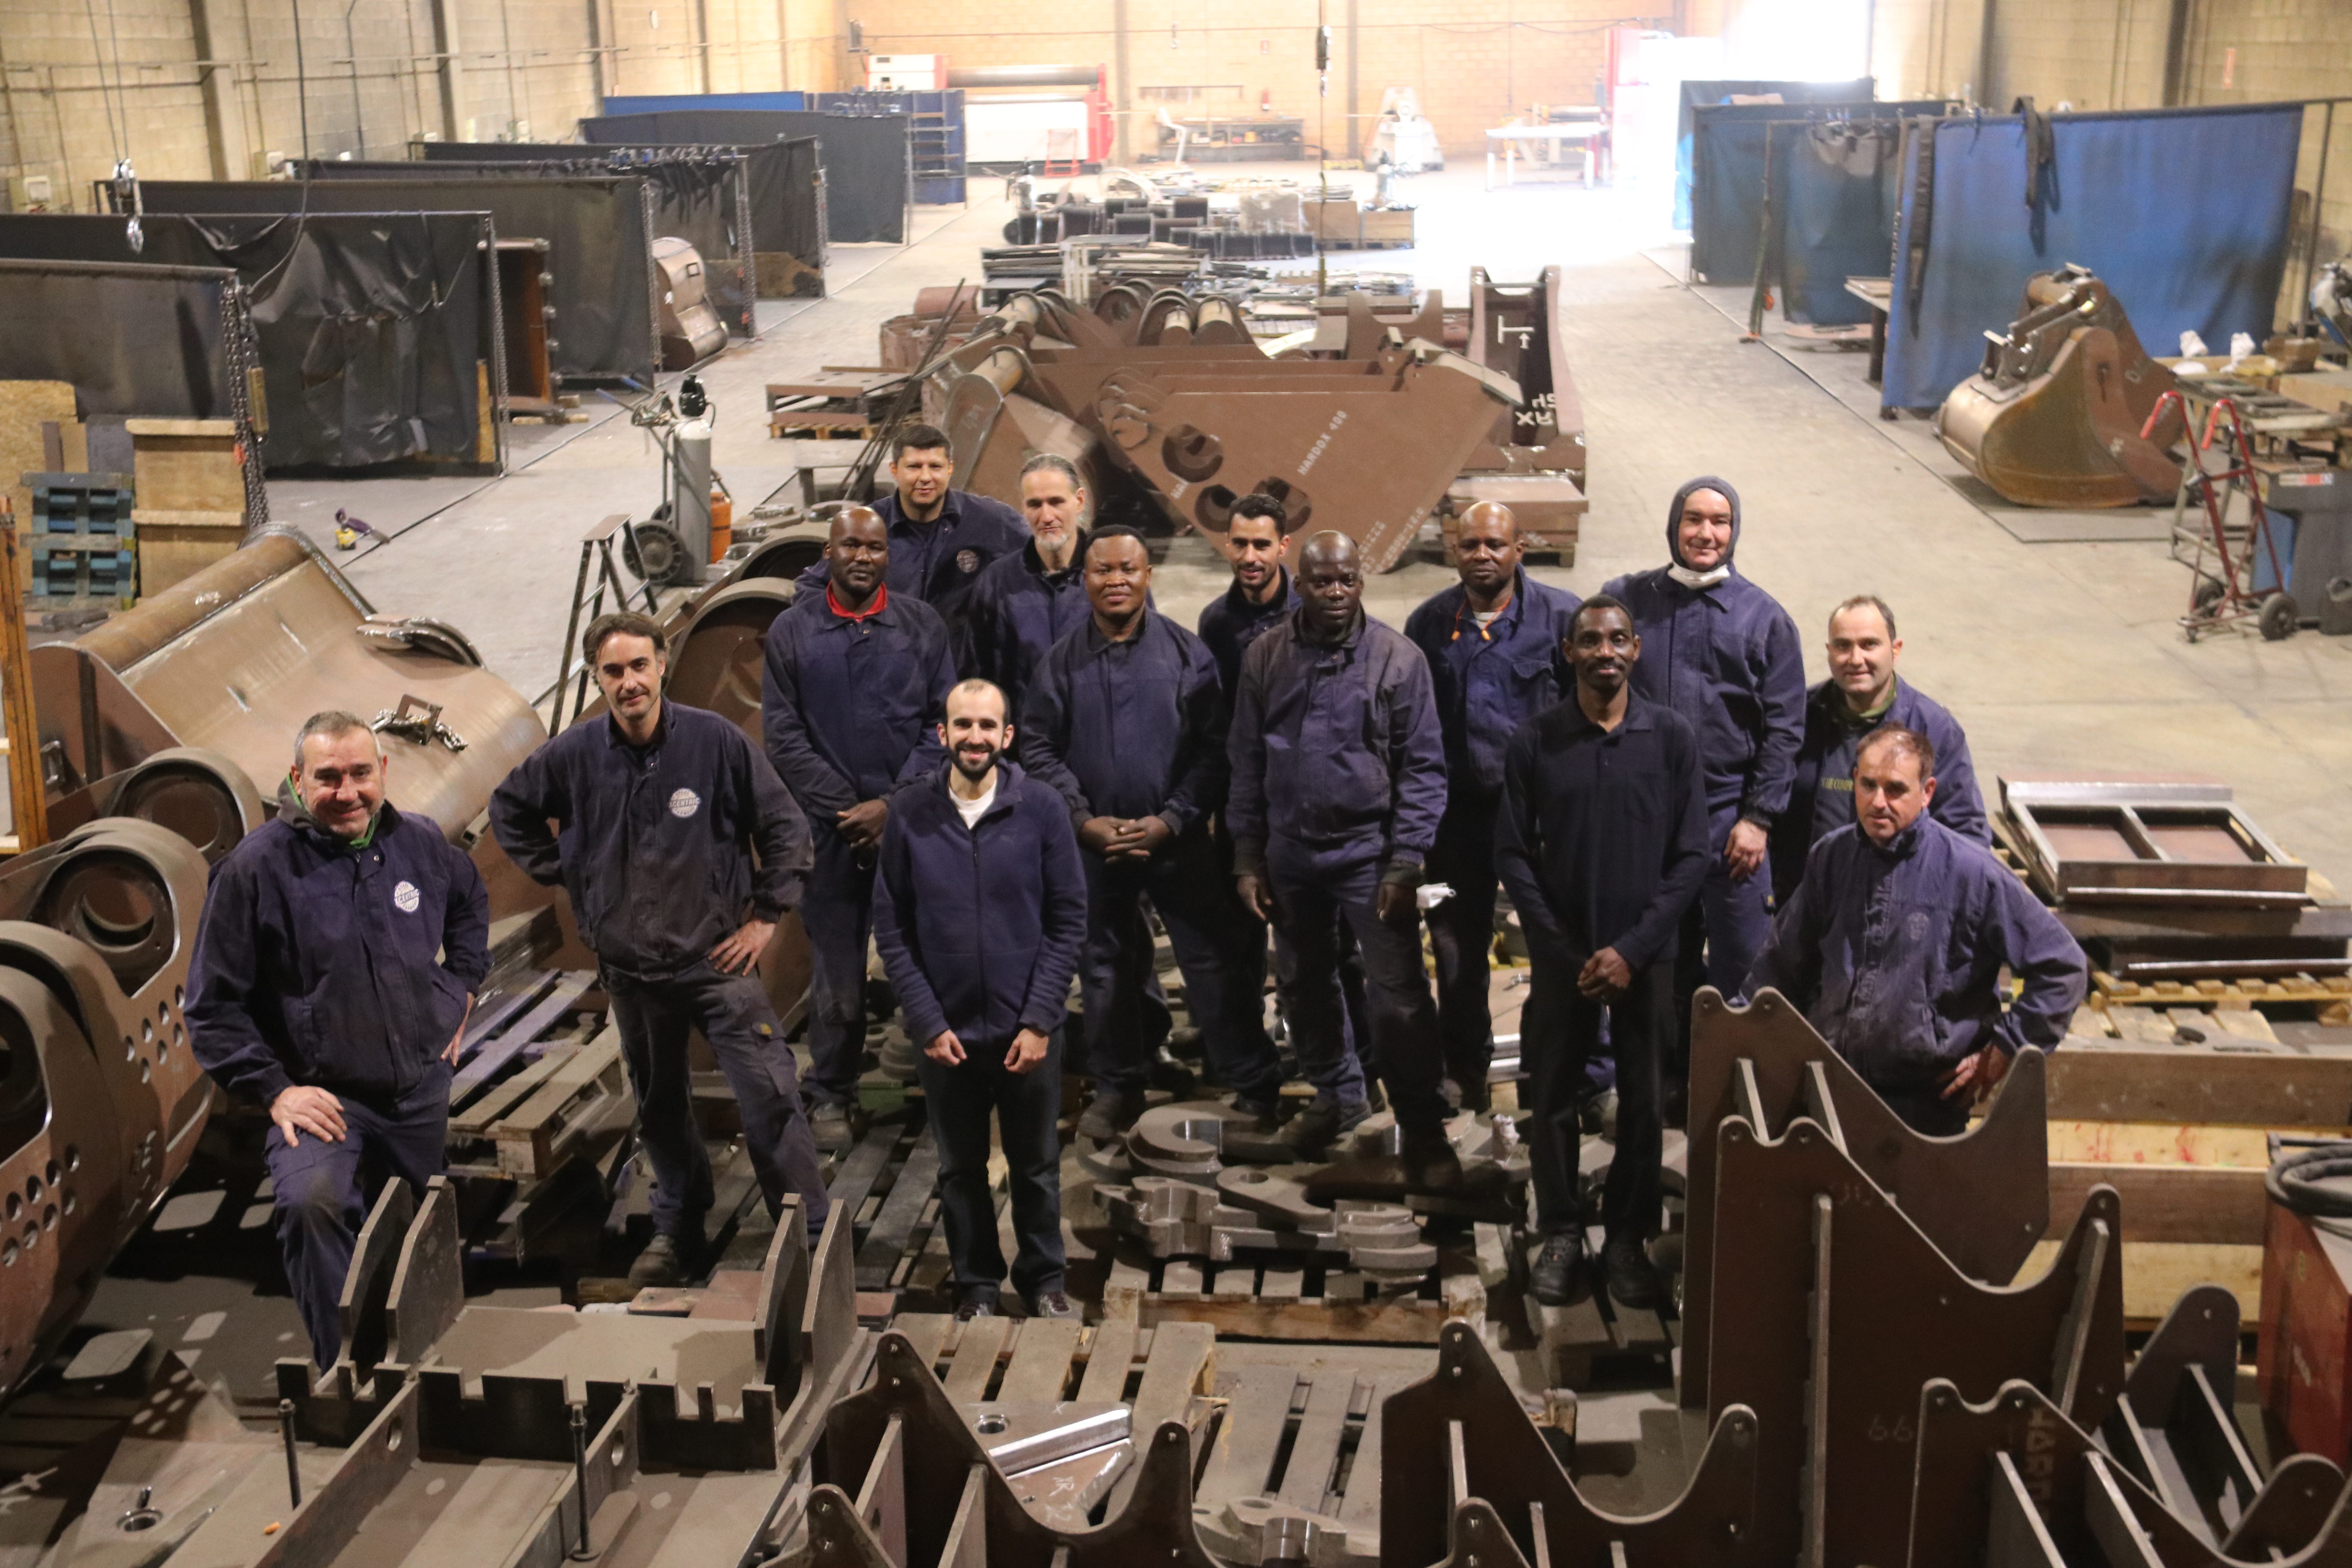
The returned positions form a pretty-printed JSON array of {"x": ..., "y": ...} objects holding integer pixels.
[
  {"x": 1313, "y": 1131},
  {"x": 1632, "y": 1281},
  {"x": 1112, "y": 1113},
  {"x": 1557, "y": 1277}
]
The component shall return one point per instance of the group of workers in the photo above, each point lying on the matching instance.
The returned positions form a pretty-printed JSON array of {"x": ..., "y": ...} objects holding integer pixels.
[{"x": 989, "y": 755}]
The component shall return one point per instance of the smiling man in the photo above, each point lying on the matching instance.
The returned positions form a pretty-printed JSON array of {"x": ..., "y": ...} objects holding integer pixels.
[
  {"x": 942, "y": 539},
  {"x": 1862, "y": 696},
  {"x": 1256, "y": 544},
  {"x": 1894, "y": 943},
  {"x": 1494, "y": 642},
  {"x": 980, "y": 909},
  {"x": 680, "y": 849},
  {"x": 1339, "y": 782},
  {"x": 1601, "y": 839},
  {"x": 1722, "y": 652},
  {"x": 1027, "y": 602},
  {"x": 341, "y": 946},
  {"x": 1125, "y": 721}
]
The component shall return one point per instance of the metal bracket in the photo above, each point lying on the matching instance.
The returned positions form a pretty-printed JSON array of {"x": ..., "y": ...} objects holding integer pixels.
[{"x": 418, "y": 722}]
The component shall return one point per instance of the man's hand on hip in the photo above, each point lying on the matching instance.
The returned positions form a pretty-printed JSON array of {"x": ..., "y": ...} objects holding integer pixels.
[
  {"x": 1028, "y": 1050},
  {"x": 740, "y": 951},
  {"x": 945, "y": 1048},
  {"x": 311, "y": 1110},
  {"x": 1743, "y": 852},
  {"x": 449, "y": 1052}
]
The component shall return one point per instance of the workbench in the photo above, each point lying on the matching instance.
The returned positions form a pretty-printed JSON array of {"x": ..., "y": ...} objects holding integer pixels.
[
  {"x": 1588, "y": 135},
  {"x": 1878, "y": 293}
]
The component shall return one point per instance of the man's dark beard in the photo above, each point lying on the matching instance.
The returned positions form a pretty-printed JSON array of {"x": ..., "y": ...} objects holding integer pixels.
[{"x": 976, "y": 773}]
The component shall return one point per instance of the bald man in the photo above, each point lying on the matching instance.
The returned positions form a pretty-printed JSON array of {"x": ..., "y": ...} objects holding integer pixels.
[
  {"x": 850, "y": 704},
  {"x": 1338, "y": 782},
  {"x": 1493, "y": 642}
]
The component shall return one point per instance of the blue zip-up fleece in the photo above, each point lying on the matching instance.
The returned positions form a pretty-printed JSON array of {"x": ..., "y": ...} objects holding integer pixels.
[
  {"x": 1231, "y": 621},
  {"x": 1724, "y": 658},
  {"x": 940, "y": 561},
  {"x": 655, "y": 843},
  {"x": 980, "y": 927},
  {"x": 1017, "y": 611},
  {"x": 1820, "y": 800},
  {"x": 1491, "y": 680},
  {"x": 346, "y": 969},
  {"x": 1337, "y": 748},
  {"x": 850, "y": 706},
  {"x": 1895, "y": 954},
  {"x": 1130, "y": 728}
]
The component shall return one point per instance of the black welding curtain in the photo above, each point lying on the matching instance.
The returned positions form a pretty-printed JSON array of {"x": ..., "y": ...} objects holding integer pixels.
[
  {"x": 369, "y": 326},
  {"x": 695, "y": 198},
  {"x": 787, "y": 214},
  {"x": 599, "y": 250},
  {"x": 165, "y": 355},
  {"x": 1843, "y": 203},
  {"x": 865, "y": 157}
]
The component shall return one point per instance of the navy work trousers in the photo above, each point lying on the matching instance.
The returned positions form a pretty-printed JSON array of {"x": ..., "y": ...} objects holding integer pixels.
[
  {"x": 656, "y": 1017},
  {"x": 323, "y": 1191},
  {"x": 957, "y": 1101},
  {"x": 1315, "y": 900},
  {"x": 1559, "y": 1031},
  {"x": 1462, "y": 937},
  {"x": 838, "y": 910},
  {"x": 1723, "y": 930},
  {"x": 1225, "y": 983}
]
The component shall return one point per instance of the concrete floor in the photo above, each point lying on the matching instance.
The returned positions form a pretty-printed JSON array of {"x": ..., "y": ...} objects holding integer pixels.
[{"x": 2054, "y": 655}]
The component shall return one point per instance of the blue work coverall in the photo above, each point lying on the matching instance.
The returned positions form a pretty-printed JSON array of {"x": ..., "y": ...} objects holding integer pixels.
[
  {"x": 1895, "y": 955},
  {"x": 348, "y": 968},
  {"x": 1018, "y": 610},
  {"x": 1601, "y": 836},
  {"x": 656, "y": 845},
  {"x": 980, "y": 929},
  {"x": 1726, "y": 657},
  {"x": 1137, "y": 729},
  {"x": 849, "y": 708},
  {"x": 1489, "y": 680},
  {"x": 940, "y": 562},
  {"x": 1338, "y": 782},
  {"x": 1821, "y": 798}
]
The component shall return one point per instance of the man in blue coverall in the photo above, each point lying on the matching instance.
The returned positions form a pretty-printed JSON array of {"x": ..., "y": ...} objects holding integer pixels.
[
  {"x": 341, "y": 946},
  {"x": 979, "y": 911},
  {"x": 1027, "y": 602},
  {"x": 1255, "y": 543},
  {"x": 657, "y": 815},
  {"x": 942, "y": 539},
  {"x": 850, "y": 699},
  {"x": 1339, "y": 781},
  {"x": 1722, "y": 652},
  {"x": 1493, "y": 642},
  {"x": 1893, "y": 946},
  {"x": 1601, "y": 838},
  {"x": 1863, "y": 695},
  {"x": 1125, "y": 719}
]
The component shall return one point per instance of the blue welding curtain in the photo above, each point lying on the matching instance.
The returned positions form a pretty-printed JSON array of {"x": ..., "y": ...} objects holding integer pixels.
[
  {"x": 1836, "y": 204},
  {"x": 2182, "y": 212}
]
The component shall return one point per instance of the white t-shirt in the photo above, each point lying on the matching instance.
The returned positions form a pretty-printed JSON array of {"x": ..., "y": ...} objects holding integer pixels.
[
  {"x": 1485, "y": 620},
  {"x": 972, "y": 810}
]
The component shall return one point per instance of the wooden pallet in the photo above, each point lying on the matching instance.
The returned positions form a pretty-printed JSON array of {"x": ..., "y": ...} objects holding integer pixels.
[
  {"x": 2325, "y": 992},
  {"x": 1280, "y": 1304},
  {"x": 1302, "y": 1438},
  {"x": 789, "y": 426}
]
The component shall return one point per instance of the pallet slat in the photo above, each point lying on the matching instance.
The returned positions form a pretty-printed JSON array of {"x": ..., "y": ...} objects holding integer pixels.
[
  {"x": 1251, "y": 1435},
  {"x": 1040, "y": 1368},
  {"x": 1307, "y": 1479}
]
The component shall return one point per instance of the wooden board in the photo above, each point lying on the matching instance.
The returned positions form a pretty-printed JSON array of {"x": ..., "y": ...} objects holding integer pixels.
[
  {"x": 2183, "y": 1084},
  {"x": 187, "y": 465},
  {"x": 535, "y": 1137},
  {"x": 2157, "y": 1273},
  {"x": 24, "y": 407}
]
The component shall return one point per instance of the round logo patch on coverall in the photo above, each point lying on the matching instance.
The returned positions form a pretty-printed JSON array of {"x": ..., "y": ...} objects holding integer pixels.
[
  {"x": 404, "y": 898},
  {"x": 685, "y": 802}
]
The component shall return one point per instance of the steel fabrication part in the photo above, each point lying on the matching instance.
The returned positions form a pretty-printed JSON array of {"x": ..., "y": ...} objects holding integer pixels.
[
  {"x": 896, "y": 1453},
  {"x": 1459, "y": 1456},
  {"x": 96, "y": 931},
  {"x": 1982, "y": 1198},
  {"x": 2174, "y": 841},
  {"x": 2054, "y": 419},
  {"x": 689, "y": 326}
]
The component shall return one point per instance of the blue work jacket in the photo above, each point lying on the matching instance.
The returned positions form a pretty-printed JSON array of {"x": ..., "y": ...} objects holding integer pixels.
[
  {"x": 1601, "y": 834},
  {"x": 850, "y": 705},
  {"x": 1821, "y": 799},
  {"x": 655, "y": 843},
  {"x": 1491, "y": 680},
  {"x": 1725, "y": 658},
  {"x": 1895, "y": 955},
  {"x": 980, "y": 927},
  {"x": 1229, "y": 623},
  {"x": 344, "y": 968},
  {"x": 1018, "y": 610},
  {"x": 938, "y": 562},
  {"x": 1128, "y": 728},
  {"x": 1336, "y": 748}
]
